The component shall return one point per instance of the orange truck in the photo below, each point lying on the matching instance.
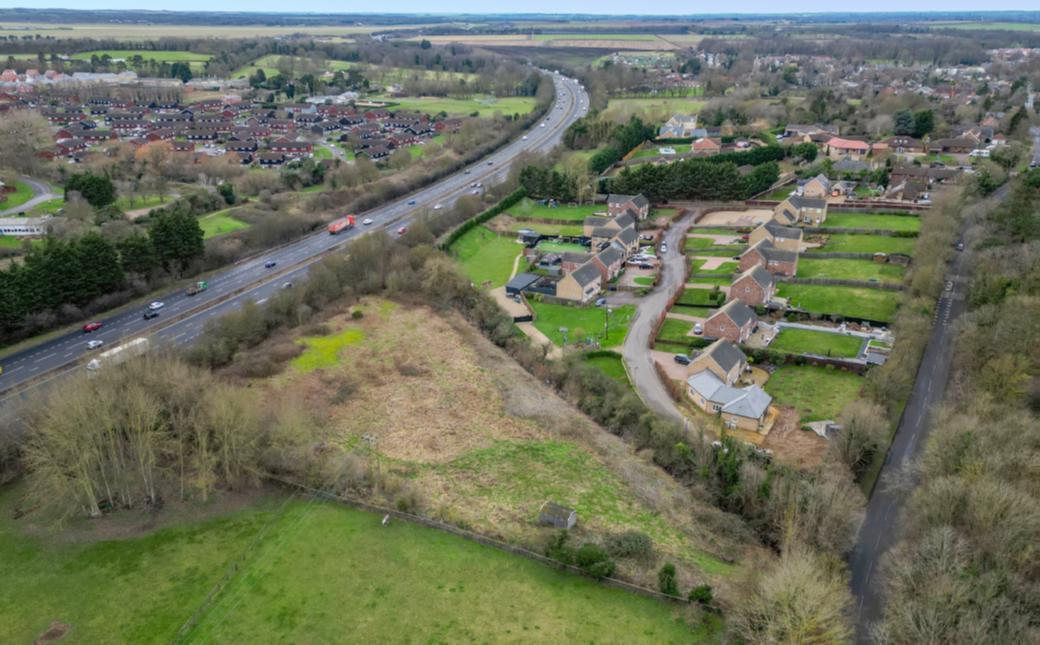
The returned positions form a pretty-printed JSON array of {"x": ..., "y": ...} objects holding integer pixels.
[{"x": 342, "y": 224}]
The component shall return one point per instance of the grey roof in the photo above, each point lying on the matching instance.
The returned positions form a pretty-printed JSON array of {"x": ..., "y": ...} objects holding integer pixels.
[
  {"x": 638, "y": 200},
  {"x": 779, "y": 230},
  {"x": 725, "y": 354},
  {"x": 822, "y": 178},
  {"x": 596, "y": 221},
  {"x": 521, "y": 281},
  {"x": 628, "y": 235},
  {"x": 751, "y": 402},
  {"x": 850, "y": 165},
  {"x": 759, "y": 275},
  {"x": 609, "y": 256},
  {"x": 603, "y": 231},
  {"x": 737, "y": 311},
  {"x": 627, "y": 218},
  {"x": 586, "y": 274},
  {"x": 771, "y": 253},
  {"x": 572, "y": 256},
  {"x": 806, "y": 202}
]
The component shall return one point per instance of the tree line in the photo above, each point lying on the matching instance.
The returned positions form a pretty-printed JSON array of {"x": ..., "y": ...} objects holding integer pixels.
[{"x": 695, "y": 179}]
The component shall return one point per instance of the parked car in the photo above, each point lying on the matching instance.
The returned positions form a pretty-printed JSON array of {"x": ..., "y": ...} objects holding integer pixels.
[
  {"x": 92, "y": 326},
  {"x": 156, "y": 305},
  {"x": 682, "y": 359},
  {"x": 94, "y": 344},
  {"x": 600, "y": 302},
  {"x": 270, "y": 264},
  {"x": 151, "y": 313},
  {"x": 698, "y": 328}
]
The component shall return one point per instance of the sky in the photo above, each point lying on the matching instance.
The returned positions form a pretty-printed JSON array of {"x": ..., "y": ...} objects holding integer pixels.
[{"x": 674, "y": 7}]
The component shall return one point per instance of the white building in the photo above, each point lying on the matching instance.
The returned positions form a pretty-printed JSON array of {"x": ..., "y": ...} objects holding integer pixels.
[{"x": 23, "y": 226}]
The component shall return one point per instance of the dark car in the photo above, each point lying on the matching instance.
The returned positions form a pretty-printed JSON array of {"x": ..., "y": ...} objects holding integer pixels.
[
  {"x": 270, "y": 264},
  {"x": 91, "y": 326},
  {"x": 682, "y": 359},
  {"x": 151, "y": 313}
]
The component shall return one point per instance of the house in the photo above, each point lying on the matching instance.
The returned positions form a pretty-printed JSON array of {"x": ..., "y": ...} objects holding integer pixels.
[
  {"x": 905, "y": 145},
  {"x": 743, "y": 408},
  {"x": 609, "y": 261},
  {"x": 723, "y": 359},
  {"x": 819, "y": 187},
  {"x": 849, "y": 166},
  {"x": 838, "y": 148},
  {"x": 786, "y": 238},
  {"x": 706, "y": 146},
  {"x": 754, "y": 287},
  {"x": 270, "y": 158},
  {"x": 618, "y": 204},
  {"x": 592, "y": 222},
  {"x": 954, "y": 145},
  {"x": 772, "y": 259},
  {"x": 800, "y": 210},
  {"x": 734, "y": 321},
  {"x": 557, "y": 516},
  {"x": 580, "y": 285},
  {"x": 680, "y": 126},
  {"x": 628, "y": 239},
  {"x": 805, "y": 132}
]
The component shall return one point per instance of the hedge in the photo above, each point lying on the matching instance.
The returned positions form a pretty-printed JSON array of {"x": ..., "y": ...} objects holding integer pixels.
[{"x": 510, "y": 200}]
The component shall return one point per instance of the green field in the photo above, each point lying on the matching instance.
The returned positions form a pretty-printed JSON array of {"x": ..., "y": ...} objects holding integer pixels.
[
  {"x": 875, "y": 221},
  {"x": 308, "y": 571},
  {"x": 610, "y": 363},
  {"x": 486, "y": 257},
  {"x": 570, "y": 230},
  {"x": 561, "y": 247},
  {"x": 654, "y": 109},
  {"x": 528, "y": 208},
  {"x": 22, "y": 193},
  {"x": 857, "y": 302},
  {"x": 804, "y": 341},
  {"x": 124, "y": 203},
  {"x": 846, "y": 269},
  {"x": 780, "y": 194},
  {"x": 484, "y": 106},
  {"x": 220, "y": 223},
  {"x": 847, "y": 243},
  {"x": 817, "y": 393},
  {"x": 197, "y": 61},
  {"x": 582, "y": 322},
  {"x": 698, "y": 297}
]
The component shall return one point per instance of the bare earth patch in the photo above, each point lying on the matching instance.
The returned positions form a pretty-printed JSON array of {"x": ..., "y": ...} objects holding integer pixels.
[
  {"x": 792, "y": 445},
  {"x": 55, "y": 632},
  {"x": 734, "y": 218}
]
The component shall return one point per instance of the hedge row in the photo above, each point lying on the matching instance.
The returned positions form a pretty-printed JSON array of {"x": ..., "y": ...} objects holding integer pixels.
[{"x": 509, "y": 201}]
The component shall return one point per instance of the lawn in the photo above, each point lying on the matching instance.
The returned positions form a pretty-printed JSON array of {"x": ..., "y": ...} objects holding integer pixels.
[
  {"x": 529, "y": 209},
  {"x": 726, "y": 251},
  {"x": 655, "y": 109},
  {"x": 49, "y": 207},
  {"x": 675, "y": 331},
  {"x": 486, "y": 257},
  {"x": 309, "y": 571},
  {"x": 10, "y": 242},
  {"x": 726, "y": 268},
  {"x": 321, "y": 152},
  {"x": 875, "y": 221},
  {"x": 804, "y": 341},
  {"x": 644, "y": 280},
  {"x": 700, "y": 297},
  {"x": 124, "y": 202},
  {"x": 817, "y": 393},
  {"x": 780, "y": 194},
  {"x": 857, "y": 302},
  {"x": 324, "y": 351},
  {"x": 561, "y": 247},
  {"x": 847, "y": 243},
  {"x": 582, "y": 322},
  {"x": 569, "y": 230},
  {"x": 23, "y": 192},
  {"x": 846, "y": 269},
  {"x": 220, "y": 223},
  {"x": 610, "y": 363},
  {"x": 485, "y": 106}
]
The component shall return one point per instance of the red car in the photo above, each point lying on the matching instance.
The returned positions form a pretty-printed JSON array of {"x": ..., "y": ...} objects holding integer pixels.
[
  {"x": 402, "y": 230},
  {"x": 91, "y": 326}
]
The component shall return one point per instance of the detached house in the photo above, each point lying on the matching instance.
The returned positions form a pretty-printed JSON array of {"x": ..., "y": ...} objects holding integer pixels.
[
  {"x": 680, "y": 126},
  {"x": 723, "y": 359},
  {"x": 838, "y": 148},
  {"x": 580, "y": 285},
  {"x": 772, "y": 259},
  {"x": 710, "y": 385},
  {"x": 754, "y": 287},
  {"x": 819, "y": 187},
  {"x": 619, "y": 204},
  {"x": 800, "y": 210},
  {"x": 706, "y": 146},
  {"x": 734, "y": 322},
  {"x": 785, "y": 238}
]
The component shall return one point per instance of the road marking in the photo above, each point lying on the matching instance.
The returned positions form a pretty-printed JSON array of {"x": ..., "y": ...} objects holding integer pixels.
[{"x": 43, "y": 358}]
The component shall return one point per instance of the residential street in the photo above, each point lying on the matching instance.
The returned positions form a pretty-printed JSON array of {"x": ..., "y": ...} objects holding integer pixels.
[
  {"x": 41, "y": 193},
  {"x": 635, "y": 351}
]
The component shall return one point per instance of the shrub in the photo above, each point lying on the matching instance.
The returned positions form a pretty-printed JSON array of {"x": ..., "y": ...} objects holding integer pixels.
[
  {"x": 629, "y": 544},
  {"x": 701, "y": 594},
  {"x": 666, "y": 580},
  {"x": 559, "y": 550},
  {"x": 594, "y": 560},
  {"x": 357, "y": 314}
]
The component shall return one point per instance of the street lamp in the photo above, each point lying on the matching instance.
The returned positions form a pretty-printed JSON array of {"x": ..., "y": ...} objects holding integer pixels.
[
  {"x": 563, "y": 330},
  {"x": 606, "y": 322}
]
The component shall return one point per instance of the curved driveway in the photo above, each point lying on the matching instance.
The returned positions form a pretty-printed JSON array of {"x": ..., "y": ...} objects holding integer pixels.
[
  {"x": 42, "y": 192},
  {"x": 249, "y": 280}
]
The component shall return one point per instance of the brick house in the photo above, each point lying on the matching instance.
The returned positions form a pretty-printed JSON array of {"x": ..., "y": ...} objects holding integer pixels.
[
  {"x": 754, "y": 287},
  {"x": 837, "y": 148},
  {"x": 785, "y": 238},
  {"x": 580, "y": 285},
  {"x": 800, "y": 210},
  {"x": 609, "y": 261},
  {"x": 734, "y": 322},
  {"x": 723, "y": 359},
  {"x": 619, "y": 204},
  {"x": 706, "y": 146},
  {"x": 772, "y": 259}
]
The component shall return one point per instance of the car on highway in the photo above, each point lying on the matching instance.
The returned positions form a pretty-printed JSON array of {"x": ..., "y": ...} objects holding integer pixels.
[
  {"x": 475, "y": 191},
  {"x": 959, "y": 246},
  {"x": 437, "y": 207},
  {"x": 402, "y": 230},
  {"x": 466, "y": 171},
  {"x": 524, "y": 137},
  {"x": 491, "y": 163},
  {"x": 92, "y": 326},
  {"x": 156, "y": 305},
  {"x": 542, "y": 125},
  {"x": 367, "y": 221},
  {"x": 411, "y": 202},
  {"x": 270, "y": 264},
  {"x": 151, "y": 313},
  {"x": 287, "y": 285},
  {"x": 94, "y": 344},
  {"x": 949, "y": 285}
]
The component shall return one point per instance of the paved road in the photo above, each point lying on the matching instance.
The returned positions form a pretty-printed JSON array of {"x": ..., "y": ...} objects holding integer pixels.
[
  {"x": 41, "y": 193},
  {"x": 635, "y": 351},
  {"x": 881, "y": 526},
  {"x": 249, "y": 280}
]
